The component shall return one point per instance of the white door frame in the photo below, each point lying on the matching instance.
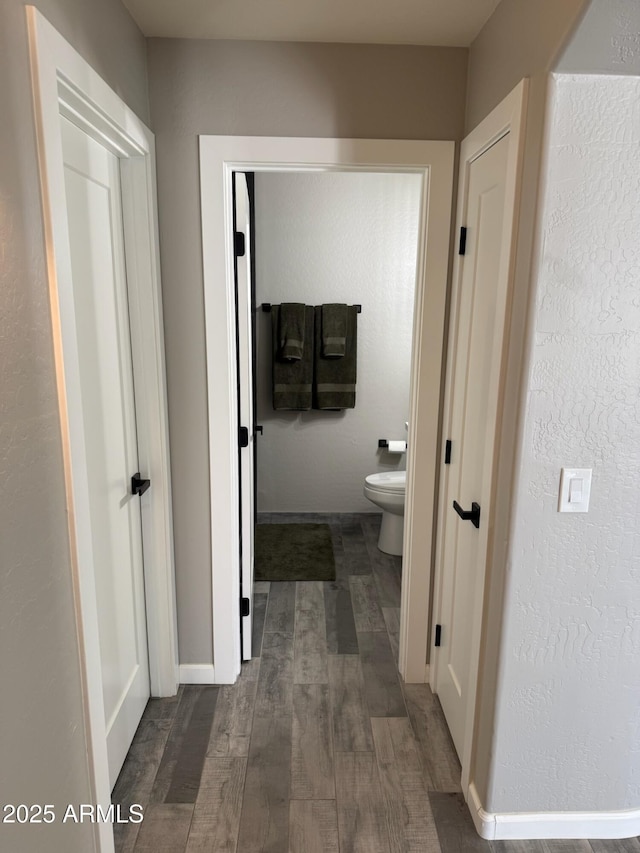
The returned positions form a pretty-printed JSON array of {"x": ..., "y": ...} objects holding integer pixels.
[
  {"x": 64, "y": 84},
  {"x": 219, "y": 157},
  {"x": 507, "y": 118}
]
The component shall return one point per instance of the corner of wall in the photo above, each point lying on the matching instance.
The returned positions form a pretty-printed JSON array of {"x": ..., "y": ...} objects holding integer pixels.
[
  {"x": 605, "y": 40},
  {"x": 519, "y": 40},
  {"x": 587, "y": 207},
  {"x": 519, "y": 347}
]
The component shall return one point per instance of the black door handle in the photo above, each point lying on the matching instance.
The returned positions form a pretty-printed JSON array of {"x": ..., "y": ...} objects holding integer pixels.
[
  {"x": 259, "y": 429},
  {"x": 138, "y": 485},
  {"x": 472, "y": 515}
]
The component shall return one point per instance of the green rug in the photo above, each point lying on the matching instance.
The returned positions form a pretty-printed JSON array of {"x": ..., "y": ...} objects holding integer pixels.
[{"x": 294, "y": 552}]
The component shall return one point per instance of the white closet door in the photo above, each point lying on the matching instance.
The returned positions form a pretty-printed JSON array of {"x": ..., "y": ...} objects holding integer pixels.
[
  {"x": 476, "y": 358},
  {"x": 92, "y": 180}
]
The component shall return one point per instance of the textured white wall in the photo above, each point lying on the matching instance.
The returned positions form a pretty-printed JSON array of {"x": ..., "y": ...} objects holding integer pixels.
[
  {"x": 336, "y": 237},
  {"x": 568, "y": 733}
]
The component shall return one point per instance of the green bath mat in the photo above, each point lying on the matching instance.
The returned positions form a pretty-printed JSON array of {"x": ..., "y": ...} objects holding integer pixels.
[{"x": 294, "y": 552}]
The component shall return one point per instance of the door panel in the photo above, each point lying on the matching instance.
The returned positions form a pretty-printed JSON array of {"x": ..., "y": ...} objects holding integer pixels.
[
  {"x": 246, "y": 405},
  {"x": 92, "y": 182},
  {"x": 469, "y": 476}
]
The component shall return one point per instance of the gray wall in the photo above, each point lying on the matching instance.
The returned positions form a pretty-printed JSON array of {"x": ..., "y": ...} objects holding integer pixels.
[
  {"x": 337, "y": 237},
  {"x": 257, "y": 88},
  {"x": 607, "y": 40},
  {"x": 42, "y": 737},
  {"x": 521, "y": 39}
]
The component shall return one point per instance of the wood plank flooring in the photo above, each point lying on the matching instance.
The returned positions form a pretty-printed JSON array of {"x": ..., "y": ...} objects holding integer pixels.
[{"x": 319, "y": 747}]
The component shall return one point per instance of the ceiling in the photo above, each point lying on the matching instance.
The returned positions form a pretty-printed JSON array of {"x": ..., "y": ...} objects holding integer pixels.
[{"x": 434, "y": 22}]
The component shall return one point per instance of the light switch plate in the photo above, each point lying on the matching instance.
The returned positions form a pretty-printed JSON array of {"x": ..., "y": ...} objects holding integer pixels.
[{"x": 575, "y": 490}]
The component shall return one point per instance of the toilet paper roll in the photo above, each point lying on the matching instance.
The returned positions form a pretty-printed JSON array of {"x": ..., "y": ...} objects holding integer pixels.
[{"x": 397, "y": 447}]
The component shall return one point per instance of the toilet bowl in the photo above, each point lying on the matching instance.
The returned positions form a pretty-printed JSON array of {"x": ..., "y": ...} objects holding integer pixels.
[{"x": 387, "y": 491}]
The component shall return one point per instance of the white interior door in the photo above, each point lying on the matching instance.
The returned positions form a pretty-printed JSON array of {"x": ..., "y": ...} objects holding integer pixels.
[
  {"x": 94, "y": 208},
  {"x": 246, "y": 413},
  {"x": 476, "y": 352}
]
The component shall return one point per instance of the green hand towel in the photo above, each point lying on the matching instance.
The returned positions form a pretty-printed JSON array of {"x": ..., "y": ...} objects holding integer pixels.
[
  {"x": 292, "y": 380},
  {"x": 335, "y": 378},
  {"x": 292, "y": 332},
  {"x": 334, "y": 330}
]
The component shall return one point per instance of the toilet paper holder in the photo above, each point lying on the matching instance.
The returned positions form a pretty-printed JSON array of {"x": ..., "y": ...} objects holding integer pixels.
[{"x": 383, "y": 443}]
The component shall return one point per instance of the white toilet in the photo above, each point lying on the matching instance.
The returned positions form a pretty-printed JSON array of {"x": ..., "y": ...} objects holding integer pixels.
[{"x": 387, "y": 491}]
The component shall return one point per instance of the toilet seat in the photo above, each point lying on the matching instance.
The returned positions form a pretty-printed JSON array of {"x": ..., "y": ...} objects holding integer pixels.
[{"x": 390, "y": 482}]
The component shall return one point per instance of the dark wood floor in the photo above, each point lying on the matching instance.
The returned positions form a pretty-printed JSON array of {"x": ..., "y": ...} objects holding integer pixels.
[{"x": 319, "y": 747}]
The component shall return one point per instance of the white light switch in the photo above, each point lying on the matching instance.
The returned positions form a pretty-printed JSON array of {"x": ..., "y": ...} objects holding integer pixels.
[{"x": 575, "y": 489}]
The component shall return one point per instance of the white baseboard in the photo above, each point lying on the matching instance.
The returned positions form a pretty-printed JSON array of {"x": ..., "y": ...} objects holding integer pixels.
[
  {"x": 196, "y": 673},
  {"x": 531, "y": 825}
]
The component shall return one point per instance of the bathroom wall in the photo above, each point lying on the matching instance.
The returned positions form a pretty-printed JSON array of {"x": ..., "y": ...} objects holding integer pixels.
[{"x": 336, "y": 237}]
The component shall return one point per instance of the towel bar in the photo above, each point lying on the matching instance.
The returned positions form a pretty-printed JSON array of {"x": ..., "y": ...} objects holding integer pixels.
[{"x": 266, "y": 307}]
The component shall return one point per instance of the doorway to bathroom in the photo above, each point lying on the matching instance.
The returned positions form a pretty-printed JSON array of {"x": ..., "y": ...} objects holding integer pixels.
[
  {"x": 220, "y": 157},
  {"x": 313, "y": 238}
]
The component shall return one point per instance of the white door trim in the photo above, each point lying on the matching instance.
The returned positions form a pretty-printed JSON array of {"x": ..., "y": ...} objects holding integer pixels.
[
  {"x": 63, "y": 83},
  {"x": 507, "y": 118},
  {"x": 219, "y": 157}
]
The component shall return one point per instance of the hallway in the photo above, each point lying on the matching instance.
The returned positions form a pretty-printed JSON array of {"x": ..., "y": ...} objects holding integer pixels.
[{"x": 318, "y": 747}]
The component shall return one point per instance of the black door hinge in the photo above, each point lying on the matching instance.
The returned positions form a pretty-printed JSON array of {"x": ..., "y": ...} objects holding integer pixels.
[
  {"x": 245, "y": 607},
  {"x": 463, "y": 241},
  {"x": 447, "y": 452},
  {"x": 438, "y": 634},
  {"x": 243, "y": 436},
  {"x": 239, "y": 244}
]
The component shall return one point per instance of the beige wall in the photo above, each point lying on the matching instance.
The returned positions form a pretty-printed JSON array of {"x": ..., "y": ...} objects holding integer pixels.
[
  {"x": 294, "y": 89},
  {"x": 258, "y": 88},
  {"x": 521, "y": 39},
  {"x": 42, "y": 737}
]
